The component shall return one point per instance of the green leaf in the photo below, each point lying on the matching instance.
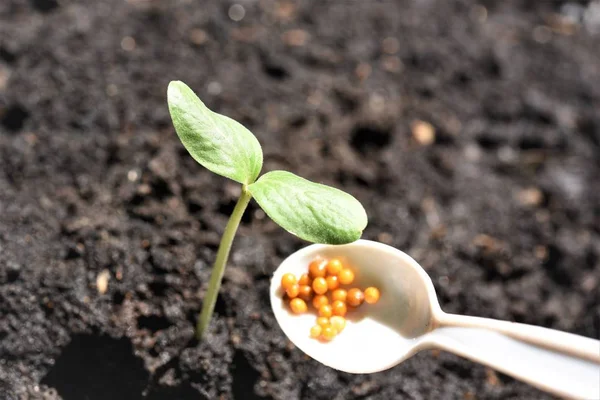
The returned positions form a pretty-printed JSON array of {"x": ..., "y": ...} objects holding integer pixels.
[
  {"x": 217, "y": 142},
  {"x": 311, "y": 211}
]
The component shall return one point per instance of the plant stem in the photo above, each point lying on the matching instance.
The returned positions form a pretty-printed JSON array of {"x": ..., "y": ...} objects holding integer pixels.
[{"x": 210, "y": 299}]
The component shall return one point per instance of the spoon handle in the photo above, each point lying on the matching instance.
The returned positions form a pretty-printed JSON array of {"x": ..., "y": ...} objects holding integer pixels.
[{"x": 558, "y": 362}]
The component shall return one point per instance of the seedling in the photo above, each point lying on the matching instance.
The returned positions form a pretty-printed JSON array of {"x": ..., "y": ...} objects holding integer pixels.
[{"x": 313, "y": 212}]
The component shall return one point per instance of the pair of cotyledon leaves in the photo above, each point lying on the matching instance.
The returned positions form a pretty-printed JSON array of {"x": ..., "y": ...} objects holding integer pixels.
[{"x": 311, "y": 211}]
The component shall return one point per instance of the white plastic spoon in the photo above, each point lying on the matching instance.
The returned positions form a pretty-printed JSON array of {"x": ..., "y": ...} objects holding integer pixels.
[{"x": 408, "y": 319}]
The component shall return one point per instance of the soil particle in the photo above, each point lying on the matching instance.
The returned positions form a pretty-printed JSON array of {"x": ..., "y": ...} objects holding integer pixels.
[{"x": 498, "y": 200}]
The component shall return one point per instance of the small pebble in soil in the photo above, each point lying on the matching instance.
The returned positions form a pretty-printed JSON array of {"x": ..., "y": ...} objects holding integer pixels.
[
  {"x": 102, "y": 281},
  {"x": 128, "y": 43},
  {"x": 198, "y": 37},
  {"x": 236, "y": 12},
  {"x": 423, "y": 133}
]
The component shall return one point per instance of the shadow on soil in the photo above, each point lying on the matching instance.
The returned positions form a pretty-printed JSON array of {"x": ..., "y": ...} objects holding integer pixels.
[{"x": 95, "y": 367}]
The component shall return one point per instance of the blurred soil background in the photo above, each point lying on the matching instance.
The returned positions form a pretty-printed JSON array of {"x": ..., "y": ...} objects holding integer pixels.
[{"x": 470, "y": 132}]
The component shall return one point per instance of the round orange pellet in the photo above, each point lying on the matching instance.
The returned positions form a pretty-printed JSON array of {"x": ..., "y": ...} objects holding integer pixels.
[
  {"x": 338, "y": 323},
  {"x": 332, "y": 282},
  {"x": 334, "y": 266},
  {"x": 305, "y": 293},
  {"x": 325, "y": 311},
  {"x": 322, "y": 321},
  {"x": 298, "y": 306},
  {"x": 339, "y": 308},
  {"x": 293, "y": 290},
  {"x": 318, "y": 268},
  {"x": 315, "y": 331},
  {"x": 319, "y": 301},
  {"x": 304, "y": 280},
  {"x": 319, "y": 285},
  {"x": 328, "y": 333},
  {"x": 355, "y": 297},
  {"x": 288, "y": 280},
  {"x": 372, "y": 295},
  {"x": 339, "y": 294},
  {"x": 346, "y": 276}
]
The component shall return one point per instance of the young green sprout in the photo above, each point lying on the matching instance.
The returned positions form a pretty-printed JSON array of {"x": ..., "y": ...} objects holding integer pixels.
[{"x": 313, "y": 212}]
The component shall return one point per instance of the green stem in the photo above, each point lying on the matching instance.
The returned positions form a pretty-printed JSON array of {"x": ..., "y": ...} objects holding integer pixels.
[{"x": 210, "y": 299}]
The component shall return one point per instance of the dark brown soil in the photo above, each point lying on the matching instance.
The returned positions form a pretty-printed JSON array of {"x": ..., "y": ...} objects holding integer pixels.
[{"x": 502, "y": 209}]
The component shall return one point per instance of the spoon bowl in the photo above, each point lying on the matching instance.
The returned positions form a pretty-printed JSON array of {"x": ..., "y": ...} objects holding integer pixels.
[
  {"x": 408, "y": 319},
  {"x": 376, "y": 336}
]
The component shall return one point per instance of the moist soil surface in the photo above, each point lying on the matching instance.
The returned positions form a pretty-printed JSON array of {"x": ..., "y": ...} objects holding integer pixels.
[{"x": 108, "y": 228}]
